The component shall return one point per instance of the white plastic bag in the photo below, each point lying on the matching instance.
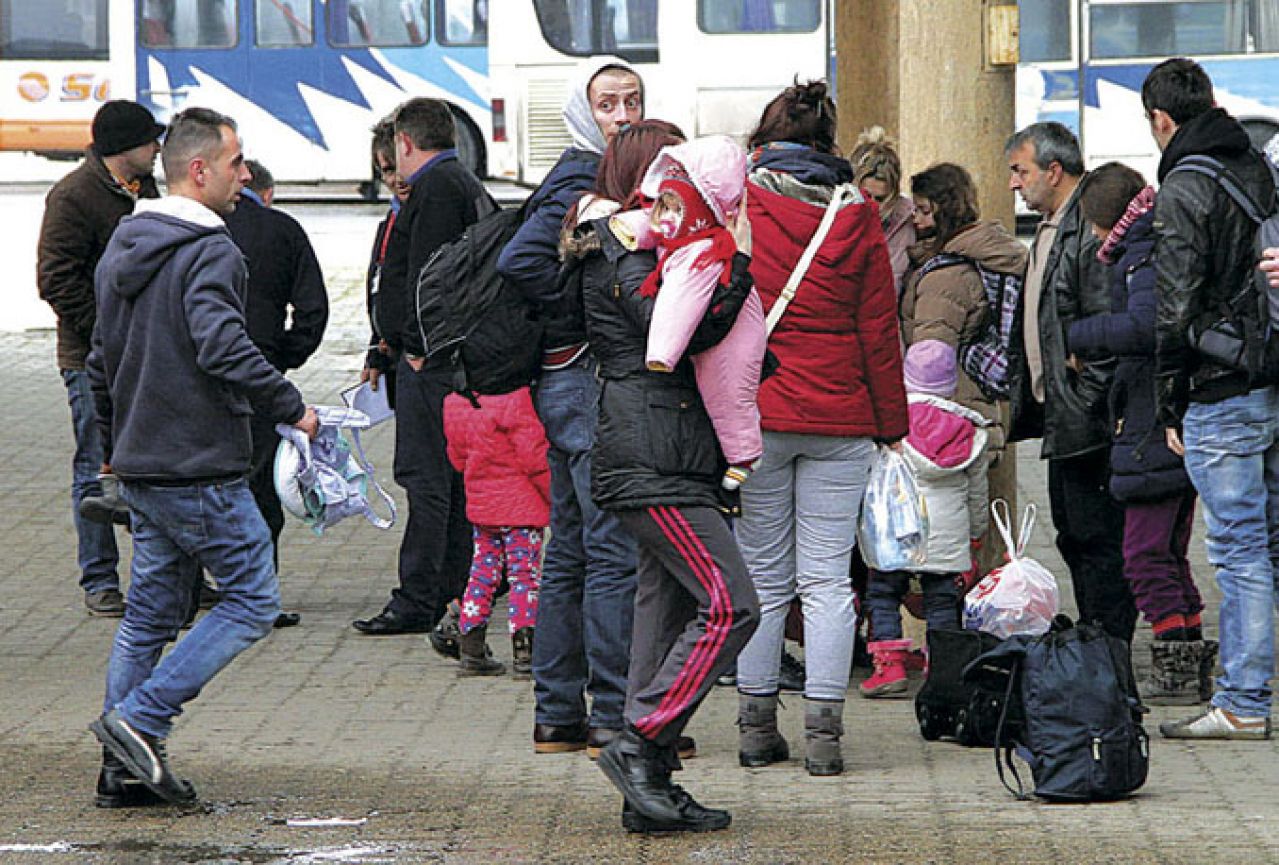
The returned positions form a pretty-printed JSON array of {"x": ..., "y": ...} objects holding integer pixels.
[
  {"x": 893, "y": 533},
  {"x": 1020, "y": 597}
]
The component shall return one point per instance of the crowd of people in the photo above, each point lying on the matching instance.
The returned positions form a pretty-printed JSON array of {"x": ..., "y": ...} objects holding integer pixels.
[{"x": 730, "y": 336}]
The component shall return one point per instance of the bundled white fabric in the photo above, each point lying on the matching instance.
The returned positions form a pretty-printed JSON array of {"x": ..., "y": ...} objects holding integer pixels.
[
  {"x": 1020, "y": 597},
  {"x": 893, "y": 533}
]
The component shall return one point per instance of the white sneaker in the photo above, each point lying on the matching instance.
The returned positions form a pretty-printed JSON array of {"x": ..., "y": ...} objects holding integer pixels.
[{"x": 1216, "y": 723}]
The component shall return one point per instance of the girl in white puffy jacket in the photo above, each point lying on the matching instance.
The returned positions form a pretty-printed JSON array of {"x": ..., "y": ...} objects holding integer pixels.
[{"x": 946, "y": 449}]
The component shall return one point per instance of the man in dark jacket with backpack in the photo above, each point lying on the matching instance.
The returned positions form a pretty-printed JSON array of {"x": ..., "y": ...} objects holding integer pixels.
[
  {"x": 1227, "y": 417},
  {"x": 588, "y": 579},
  {"x": 444, "y": 198}
]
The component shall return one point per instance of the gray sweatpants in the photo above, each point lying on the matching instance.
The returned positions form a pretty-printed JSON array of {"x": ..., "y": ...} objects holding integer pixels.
[
  {"x": 694, "y": 610},
  {"x": 800, "y": 509}
]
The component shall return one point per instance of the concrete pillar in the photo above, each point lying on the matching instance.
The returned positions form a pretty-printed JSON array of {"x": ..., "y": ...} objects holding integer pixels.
[{"x": 921, "y": 70}]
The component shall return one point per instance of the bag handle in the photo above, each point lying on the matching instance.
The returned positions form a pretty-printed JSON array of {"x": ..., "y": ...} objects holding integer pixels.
[
  {"x": 837, "y": 199},
  {"x": 1007, "y": 747},
  {"x": 362, "y": 461},
  {"x": 999, "y": 512}
]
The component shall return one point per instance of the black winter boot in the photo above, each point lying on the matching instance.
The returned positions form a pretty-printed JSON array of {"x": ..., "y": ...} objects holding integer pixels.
[
  {"x": 522, "y": 653},
  {"x": 1207, "y": 670},
  {"x": 641, "y": 771},
  {"x": 759, "y": 742},
  {"x": 476, "y": 659},
  {"x": 823, "y": 727},
  {"x": 1174, "y": 673}
]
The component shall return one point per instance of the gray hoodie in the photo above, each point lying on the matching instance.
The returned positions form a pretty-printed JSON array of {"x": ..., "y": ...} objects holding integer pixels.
[{"x": 175, "y": 376}]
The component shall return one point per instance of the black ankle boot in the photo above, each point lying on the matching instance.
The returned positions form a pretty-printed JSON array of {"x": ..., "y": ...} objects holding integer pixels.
[
  {"x": 118, "y": 789},
  {"x": 641, "y": 771}
]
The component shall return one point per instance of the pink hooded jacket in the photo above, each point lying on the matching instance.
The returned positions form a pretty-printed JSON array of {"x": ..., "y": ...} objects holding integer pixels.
[
  {"x": 500, "y": 449},
  {"x": 727, "y": 374}
]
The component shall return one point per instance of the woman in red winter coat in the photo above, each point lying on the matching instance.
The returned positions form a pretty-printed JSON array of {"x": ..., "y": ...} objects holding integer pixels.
[
  {"x": 500, "y": 449},
  {"x": 838, "y": 392}
]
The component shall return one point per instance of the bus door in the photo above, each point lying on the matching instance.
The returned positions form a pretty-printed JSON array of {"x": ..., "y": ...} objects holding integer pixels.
[{"x": 747, "y": 51}]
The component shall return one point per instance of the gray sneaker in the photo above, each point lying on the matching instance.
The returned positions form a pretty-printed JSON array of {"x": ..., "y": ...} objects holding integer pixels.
[
  {"x": 1217, "y": 723},
  {"x": 108, "y": 603}
]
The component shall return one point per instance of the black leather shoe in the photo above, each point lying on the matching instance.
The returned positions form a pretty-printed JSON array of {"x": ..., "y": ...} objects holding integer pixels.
[
  {"x": 641, "y": 772},
  {"x": 697, "y": 818},
  {"x": 287, "y": 620},
  {"x": 389, "y": 623},
  {"x": 118, "y": 789},
  {"x": 598, "y": 737},
  {"x": 559, "y": 738},
  {"x": 144, "y": 756}
]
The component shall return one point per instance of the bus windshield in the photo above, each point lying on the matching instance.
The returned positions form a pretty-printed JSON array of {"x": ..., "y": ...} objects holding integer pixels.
[{"x": 29, "y": 32}]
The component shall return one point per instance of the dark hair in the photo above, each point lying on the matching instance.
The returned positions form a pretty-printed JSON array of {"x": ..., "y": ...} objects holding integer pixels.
[
  {"x": 193, "y": 132},
  {"x": 383, "y": 143},
  {"x": 1180, "y": 88},
  {"x": 953, "y": 195},
  {"x": 260, "y": 177},
  {"x": 616, "y": 67},
  {"x": 803, "y": 114},
  {"x": 1107, "y": 192},
  {"x": 428, "y": 122},
  {"x": 1053, "y": 142}
]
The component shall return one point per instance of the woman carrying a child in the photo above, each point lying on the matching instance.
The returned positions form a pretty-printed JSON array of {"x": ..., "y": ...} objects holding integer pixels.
[
  {"x": 657, "y": 463},
  {"x": 838, "y": 391}
]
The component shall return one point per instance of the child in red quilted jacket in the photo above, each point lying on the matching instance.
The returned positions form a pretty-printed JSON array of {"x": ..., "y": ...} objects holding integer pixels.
[{"x": 500, "y": 449}]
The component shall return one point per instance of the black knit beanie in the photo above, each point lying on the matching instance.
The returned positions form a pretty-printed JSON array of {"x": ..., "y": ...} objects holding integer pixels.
[{"x": 122, "y": 125}]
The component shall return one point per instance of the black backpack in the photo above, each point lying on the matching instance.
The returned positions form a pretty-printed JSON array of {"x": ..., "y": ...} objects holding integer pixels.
[
  {"x": 1080, "y": 727},
  {"x": 985, "y": 358},
  {"x": 466, "y": 312}
]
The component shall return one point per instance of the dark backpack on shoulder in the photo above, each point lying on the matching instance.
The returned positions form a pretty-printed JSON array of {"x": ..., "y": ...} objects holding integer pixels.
[
  {"x": 948, "y": 705},
  {"x": 1081, "y": 727},
  {"x": 985, "y": 358},
  {"x": 467, "y": 313},
  {"x": 1246, "y": 336}
]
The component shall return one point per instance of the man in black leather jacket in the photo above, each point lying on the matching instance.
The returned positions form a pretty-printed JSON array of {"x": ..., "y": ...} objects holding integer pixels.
[
  {"x": 1053, "y": 395},
  {"x": 1204, "y": 256}
]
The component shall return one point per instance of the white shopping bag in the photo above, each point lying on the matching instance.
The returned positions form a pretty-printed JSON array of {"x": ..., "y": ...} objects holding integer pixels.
[{"x": 1020, "y": 597}]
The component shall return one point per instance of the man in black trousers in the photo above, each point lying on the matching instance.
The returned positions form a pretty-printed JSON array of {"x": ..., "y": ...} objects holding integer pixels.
[
  {"x": 286, "y": 313},
  {"x": 444, "y": 198}
]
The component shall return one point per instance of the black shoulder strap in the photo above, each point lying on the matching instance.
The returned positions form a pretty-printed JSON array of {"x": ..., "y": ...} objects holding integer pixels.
[
  {"x": 943, "y": 259},
  {"x": 1004, "y": 750},
  {"x": 1227, "y": 180}
]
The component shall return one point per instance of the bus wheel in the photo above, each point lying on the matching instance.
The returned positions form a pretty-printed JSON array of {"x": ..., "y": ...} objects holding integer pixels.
[{"x": 470, "y": 144}]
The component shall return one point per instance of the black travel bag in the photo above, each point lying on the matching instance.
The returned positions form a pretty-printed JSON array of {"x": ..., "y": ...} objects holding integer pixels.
[{"x": 948, "y": 705}]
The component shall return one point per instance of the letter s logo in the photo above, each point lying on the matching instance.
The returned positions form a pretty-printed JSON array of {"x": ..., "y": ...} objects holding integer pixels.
[{"x": 77, "y": 87}]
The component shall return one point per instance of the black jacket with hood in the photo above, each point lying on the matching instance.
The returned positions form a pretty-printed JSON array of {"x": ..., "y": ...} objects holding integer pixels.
[
  {"x": 1203, "y": 256},
  {"x": 175, "y": 376},
  {"x": 1074, "y": 418}
]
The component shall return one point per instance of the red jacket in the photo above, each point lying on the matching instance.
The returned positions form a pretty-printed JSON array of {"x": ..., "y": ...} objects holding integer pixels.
[
  {"x": 838, "y": 341},
  {"x": 500, "y": 449}
]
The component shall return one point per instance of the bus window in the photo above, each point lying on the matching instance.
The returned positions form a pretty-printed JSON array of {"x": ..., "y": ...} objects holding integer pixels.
[
  {"x": 283, "y": 23},
  {"x": 626, "y": 28},
  {"x": 203, "y": 24},
  {"x": 758, "y": 16},
  {"x": 61, "y": 30},
  {"x": 387, "y": 23},
  {"x": 462, "y": 22},
  {"x": 1045, "y": 30},
  {"x": 1190, "y": 27}
]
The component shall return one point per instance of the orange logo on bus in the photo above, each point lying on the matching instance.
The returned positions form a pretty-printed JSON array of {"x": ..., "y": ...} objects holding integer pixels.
[{"x": 33, "y": 87}]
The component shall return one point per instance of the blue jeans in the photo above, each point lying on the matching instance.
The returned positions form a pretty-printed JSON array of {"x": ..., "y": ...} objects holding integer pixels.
[
  {"x": 97, "y": 555},
  {"x": 176, "y": 531},
  {"x": 587, "y": 595},
  {"x": 1232, "y": 456}
]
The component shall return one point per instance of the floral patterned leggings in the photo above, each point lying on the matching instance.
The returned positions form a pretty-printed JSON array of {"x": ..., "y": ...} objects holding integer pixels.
[{"x": 513, "y": 552}]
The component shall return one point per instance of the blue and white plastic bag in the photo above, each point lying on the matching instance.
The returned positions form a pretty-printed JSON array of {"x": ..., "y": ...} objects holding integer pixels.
[{"x": 893, "y": 533}]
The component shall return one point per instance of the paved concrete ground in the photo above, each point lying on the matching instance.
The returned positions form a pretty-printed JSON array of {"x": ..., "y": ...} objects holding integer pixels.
[{"x": 318, "y": 721}]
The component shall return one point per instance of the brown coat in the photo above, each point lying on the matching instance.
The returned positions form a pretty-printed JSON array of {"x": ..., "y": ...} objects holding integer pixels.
[
  {"x": 949, "y": 303},
  {"x": 81, "y": 212}
]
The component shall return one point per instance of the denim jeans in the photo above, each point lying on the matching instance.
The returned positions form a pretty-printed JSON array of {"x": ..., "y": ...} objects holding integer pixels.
[
  {"x": 1232, "y": 456},
  {"x": 587, "y": 595},
  {"x": 97, "y": 555},
  {"x": 888, "y": 589},
  {"x": 798, "y": 528},
  {"x": 176, "y": 531}
]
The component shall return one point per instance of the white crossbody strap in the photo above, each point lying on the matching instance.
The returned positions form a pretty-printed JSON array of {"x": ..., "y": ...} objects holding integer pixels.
[{"x": 801, "y": 268}]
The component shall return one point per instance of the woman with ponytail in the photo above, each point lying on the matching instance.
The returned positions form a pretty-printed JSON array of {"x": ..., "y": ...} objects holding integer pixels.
[{"x": 838, "y": 391}]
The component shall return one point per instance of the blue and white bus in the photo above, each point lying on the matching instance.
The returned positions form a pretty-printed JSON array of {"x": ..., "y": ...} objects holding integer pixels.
[{"x": 1110, "y": 45}]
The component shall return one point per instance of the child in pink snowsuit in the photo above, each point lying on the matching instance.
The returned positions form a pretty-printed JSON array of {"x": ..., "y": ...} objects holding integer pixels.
[
  {"x": 500, "y": 449},
  {"x": 697, "y": 188}
]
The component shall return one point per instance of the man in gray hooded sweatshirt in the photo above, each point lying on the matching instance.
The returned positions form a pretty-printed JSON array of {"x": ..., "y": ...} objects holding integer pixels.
[
  {"x": 176, "y": 380},
  {"x": 588, "y": 579}
]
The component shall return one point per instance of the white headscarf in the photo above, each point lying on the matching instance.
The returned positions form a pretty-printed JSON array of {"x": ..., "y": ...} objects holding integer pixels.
[{"x": 578, "y": 116}]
